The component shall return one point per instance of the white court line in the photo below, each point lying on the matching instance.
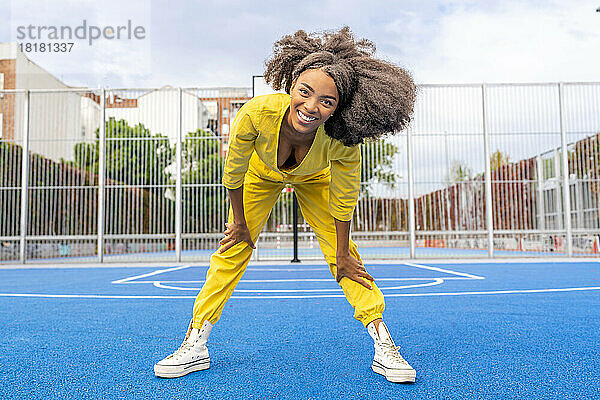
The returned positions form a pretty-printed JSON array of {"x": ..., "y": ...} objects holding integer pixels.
[
  {"x": 167, "y": 284},
  {"x": 312, "y": 280},
  {"x": 447, "y": 271},
  {"x": 436, "y": 281},
  {"x": 99, "y": 296},
  {"x": 497, "y": 292},
  {"x": 160, "y": 271},
  {"x": 91, "y": 296}
]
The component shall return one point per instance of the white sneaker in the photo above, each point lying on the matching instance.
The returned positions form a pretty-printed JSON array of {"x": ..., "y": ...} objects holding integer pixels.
[
  {"x": 387, "y": 361},
  {"x": 191, "y": 356}
]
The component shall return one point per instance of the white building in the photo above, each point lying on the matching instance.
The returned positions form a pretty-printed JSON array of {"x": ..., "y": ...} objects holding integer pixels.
[{"x": 158, "y": 110}]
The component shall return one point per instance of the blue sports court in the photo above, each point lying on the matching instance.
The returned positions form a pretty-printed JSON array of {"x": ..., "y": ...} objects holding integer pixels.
[{"x": 510, "y": 330}]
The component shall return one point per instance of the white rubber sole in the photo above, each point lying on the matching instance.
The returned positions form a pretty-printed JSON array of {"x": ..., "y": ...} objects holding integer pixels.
[
  {"x": 395, "y": 375},
  {"x": 167, "y": 371}
]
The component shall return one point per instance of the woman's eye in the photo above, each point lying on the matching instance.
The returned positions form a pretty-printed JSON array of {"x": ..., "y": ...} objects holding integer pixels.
[
  {"x": 303, "y": 91},
  {"x": 327, "y": 102}
]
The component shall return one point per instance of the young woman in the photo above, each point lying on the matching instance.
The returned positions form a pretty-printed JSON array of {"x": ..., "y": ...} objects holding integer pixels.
[{"x": 337, "y": 96}]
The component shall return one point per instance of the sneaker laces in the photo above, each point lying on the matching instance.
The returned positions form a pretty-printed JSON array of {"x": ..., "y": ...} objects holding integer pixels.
[
  {"x": 185, "y": 346},
  {"x": 392, "y": 352}
]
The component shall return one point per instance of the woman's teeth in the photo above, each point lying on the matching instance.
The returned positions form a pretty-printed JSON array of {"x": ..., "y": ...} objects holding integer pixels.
[{"x": 304, "y": 117}]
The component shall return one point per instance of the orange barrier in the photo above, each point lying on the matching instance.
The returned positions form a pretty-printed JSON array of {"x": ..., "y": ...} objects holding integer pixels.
[{"x": 435, "y": 243}]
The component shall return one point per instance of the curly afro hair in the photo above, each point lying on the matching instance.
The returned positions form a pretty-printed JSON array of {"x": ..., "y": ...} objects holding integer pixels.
[{"x": 376, "y": 97}]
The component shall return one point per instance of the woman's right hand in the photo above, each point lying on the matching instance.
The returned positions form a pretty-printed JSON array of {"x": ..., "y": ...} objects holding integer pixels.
[{"x": 235, "y": 233}]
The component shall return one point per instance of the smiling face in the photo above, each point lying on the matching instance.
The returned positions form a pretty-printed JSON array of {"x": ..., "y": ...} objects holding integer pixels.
[{"x": 314, "y": 98}]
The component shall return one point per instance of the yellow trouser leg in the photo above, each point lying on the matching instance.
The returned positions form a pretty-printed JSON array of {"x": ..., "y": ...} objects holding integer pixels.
[
  {"x": 313, "y": 197},
  {"x": 226, "y": 269}
]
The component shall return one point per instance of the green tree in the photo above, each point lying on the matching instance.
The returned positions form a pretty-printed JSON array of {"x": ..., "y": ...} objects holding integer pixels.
[{"x": 133, "y": 155}]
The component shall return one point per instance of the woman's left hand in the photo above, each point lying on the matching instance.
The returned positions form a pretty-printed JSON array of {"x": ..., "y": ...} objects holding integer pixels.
[{"x": 350, "y": 267}]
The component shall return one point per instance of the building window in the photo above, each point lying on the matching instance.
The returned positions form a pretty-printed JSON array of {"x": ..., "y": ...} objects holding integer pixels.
[
  {"x": 1, "y": 84},
  {"x": 1, "y": 126}
]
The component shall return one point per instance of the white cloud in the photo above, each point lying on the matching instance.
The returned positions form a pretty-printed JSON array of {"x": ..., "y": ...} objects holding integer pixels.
[{"x": 517, "y": 43}]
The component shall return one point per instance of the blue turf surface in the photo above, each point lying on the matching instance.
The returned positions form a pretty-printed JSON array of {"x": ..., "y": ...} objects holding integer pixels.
[{"x": 532, "y": 345}]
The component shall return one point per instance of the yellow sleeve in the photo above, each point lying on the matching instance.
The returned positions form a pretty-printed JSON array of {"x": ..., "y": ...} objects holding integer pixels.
[
  {"x": 242, "y": 135},
  {"x": 345, "y": 182}
]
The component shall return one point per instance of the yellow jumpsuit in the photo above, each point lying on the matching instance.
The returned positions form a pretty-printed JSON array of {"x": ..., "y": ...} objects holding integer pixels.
[{"x": 326, "y": 182}]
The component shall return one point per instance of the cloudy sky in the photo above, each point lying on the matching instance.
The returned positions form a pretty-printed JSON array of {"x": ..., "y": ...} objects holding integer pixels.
[{"x": 213, "y": 43}]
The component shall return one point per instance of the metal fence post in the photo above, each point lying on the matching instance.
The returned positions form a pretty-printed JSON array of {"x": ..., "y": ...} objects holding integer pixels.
[
  {"x": 101, "y": 175},
  {"x": 24, "y": 179},
  {"x": 565, "y": 174},
  {"x": 178, "y": 179},
  {"x": 488, "y": 177},
  {"x": 411, "y": 194}
]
